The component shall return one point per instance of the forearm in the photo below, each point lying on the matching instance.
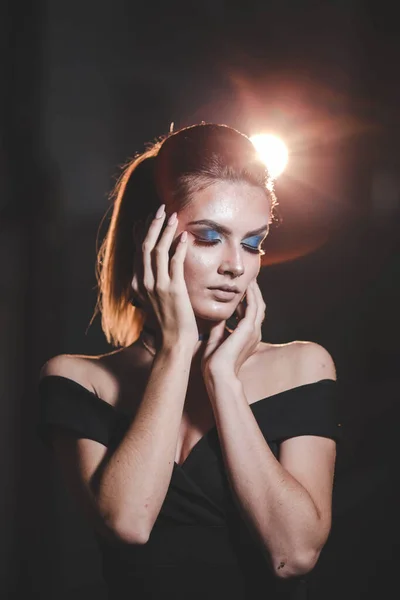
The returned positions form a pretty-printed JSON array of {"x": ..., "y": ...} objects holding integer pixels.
[
  {"x": 135, "y": 480},
  {"x": 276, "y": 506}
]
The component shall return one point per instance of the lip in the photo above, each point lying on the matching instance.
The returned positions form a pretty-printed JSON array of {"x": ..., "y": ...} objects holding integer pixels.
[
  {"x": 224, "y": 294},
  {"x": 227, "y": 288}
]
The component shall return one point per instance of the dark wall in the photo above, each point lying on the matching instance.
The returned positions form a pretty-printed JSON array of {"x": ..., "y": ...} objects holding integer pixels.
[{"x": 86, "y": 86}]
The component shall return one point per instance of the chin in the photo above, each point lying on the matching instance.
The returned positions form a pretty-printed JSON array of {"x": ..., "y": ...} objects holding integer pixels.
[{"x": 222, "y": 314}]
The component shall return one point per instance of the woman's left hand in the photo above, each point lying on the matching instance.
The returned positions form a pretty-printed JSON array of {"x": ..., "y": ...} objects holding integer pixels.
[{"x": 230, "y": 354}]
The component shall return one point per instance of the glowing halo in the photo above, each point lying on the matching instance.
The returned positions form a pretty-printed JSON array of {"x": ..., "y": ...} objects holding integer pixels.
[{"x": 272, "y": 151}]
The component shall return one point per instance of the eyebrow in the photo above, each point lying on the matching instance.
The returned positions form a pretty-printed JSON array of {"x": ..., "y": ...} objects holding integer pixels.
[{"x": 225, "y": 230}]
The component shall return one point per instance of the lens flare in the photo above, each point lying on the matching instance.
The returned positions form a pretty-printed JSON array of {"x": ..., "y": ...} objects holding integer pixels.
[{"x": 272, "y": 151}]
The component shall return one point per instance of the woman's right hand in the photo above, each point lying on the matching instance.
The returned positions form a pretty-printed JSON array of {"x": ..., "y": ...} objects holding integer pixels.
[{"x": 164, "y": 283}]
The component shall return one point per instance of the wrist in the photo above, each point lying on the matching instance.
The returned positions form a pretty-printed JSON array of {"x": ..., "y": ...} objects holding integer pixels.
[
  {"x": 217, "y": 366},
  {"x": 221, "y": 385},
  {"x": 215, "y": 373},
  {"x": 179, "y": 347}
]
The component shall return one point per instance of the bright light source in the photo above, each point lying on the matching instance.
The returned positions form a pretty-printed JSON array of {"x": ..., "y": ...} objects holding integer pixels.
[{"x": 272, "y": 152}]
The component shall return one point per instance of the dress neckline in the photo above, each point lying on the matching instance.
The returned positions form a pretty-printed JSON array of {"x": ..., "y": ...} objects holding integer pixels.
[{"x": 253, "y": 405}]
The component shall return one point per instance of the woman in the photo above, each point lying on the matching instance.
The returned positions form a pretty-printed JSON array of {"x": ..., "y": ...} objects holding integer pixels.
[{"x": 203, "y": 457}]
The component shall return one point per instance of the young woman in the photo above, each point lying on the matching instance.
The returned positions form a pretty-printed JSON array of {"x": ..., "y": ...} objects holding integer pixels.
[{"x": 203, "y": 457}]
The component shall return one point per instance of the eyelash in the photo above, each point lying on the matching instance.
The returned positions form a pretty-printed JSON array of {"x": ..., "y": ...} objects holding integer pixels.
[{"x": 252, "y": 250}]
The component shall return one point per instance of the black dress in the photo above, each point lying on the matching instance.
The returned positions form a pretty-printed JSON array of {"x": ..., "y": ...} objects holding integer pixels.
[{"x": 200, "y": 546}]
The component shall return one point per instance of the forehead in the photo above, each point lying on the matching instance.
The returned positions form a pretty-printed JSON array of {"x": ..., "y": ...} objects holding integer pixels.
[{"x": 234, "y": 204}]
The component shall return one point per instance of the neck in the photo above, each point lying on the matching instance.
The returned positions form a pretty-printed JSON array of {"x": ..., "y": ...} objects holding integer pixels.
[
  {"x": 151, "y": 331},
  {"x": 150, "y": 339}
]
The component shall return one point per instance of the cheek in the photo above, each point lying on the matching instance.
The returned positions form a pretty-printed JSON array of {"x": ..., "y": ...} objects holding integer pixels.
[
  {"x": 199, "y": 264},
  {"x": 255, "y": 269}
]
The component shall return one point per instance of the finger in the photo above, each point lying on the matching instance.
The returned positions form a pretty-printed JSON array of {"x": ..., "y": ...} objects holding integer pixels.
[
  {"x": 241, "y": 307},
  {"x": 148, "y": 245},
  {"x": 216, "y": 337},
  {"x": 260, "y": 311},
  {"x": 161, "y": 251},
  {"x": 217, "y": 333},
  {"x": 176, "y": 268},
  {"x": 260, "y": 303},
  {"x": 251, "y": 309},
  {"x": 152, "y": 233}
]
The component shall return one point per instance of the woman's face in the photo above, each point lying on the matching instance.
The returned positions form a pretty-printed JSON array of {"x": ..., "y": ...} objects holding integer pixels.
[{"x": 226, "y": 224}]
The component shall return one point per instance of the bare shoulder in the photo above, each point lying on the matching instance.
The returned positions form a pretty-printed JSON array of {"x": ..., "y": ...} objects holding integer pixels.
[
  {"x": 309, "y": 356},
  {"x": 81, "y": 369},
  {"x": 292, "y": 364},
  {"x": 100, "y": 374},
  {"x": 313, "y": 361}
]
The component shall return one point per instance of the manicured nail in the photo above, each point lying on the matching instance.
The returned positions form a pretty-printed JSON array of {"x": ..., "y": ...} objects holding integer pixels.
[
  {"x": 184, "y": 236},
  {"x": 172, "y": 219},
  {"x": 160, "y": 212}
]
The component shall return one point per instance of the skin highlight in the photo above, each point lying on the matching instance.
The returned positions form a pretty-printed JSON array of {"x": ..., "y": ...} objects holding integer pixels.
[{"x": 215, "y": 257}]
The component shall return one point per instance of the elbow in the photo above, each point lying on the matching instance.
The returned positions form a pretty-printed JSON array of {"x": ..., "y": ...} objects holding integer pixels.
[
  {"x": 126, "y": 526},
  {"x": 306, "y": 562},
  {"x": 296, "y": 565},
  {"x": 302, "y": 557},
  {"x": 132, "y": 532},
  {"x": 128, "y": 535}
]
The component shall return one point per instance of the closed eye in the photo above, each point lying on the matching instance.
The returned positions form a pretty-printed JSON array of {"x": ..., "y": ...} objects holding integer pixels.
[
  {"x": 248, "y": 247},
  {"x": 255, "y": 244},
  {"x": 254, "y": 249}
]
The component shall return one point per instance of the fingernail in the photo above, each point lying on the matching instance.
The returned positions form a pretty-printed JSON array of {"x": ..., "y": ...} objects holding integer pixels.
[
  {"x": 172, "y": 219},
  {"x": 160, "y": 211},
  {"x": 184, "y": 236}
]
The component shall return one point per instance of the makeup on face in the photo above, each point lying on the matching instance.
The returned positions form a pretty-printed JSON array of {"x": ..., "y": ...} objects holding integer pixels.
[
  {"x": 227, "y": 223},
  {"x": 210, "y": 233}
]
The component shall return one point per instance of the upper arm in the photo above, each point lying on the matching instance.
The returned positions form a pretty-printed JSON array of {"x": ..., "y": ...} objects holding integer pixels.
[
  {"x": 80, "y": 459},
  {"x": 311, "y": 459}
]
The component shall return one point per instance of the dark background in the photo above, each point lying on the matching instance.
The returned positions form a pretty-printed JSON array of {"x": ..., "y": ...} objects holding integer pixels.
[{"x": 85, "y": 86}]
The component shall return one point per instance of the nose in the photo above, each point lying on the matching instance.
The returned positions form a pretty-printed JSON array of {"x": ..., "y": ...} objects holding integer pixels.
[{"x": 232, "y": 263}]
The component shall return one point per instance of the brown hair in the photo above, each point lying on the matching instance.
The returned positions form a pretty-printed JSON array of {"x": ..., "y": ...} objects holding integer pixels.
[{"x": 170, "y": 171}]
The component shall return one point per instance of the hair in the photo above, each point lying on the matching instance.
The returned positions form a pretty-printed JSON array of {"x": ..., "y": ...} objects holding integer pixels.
[{"x": 170, "y": 171}]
